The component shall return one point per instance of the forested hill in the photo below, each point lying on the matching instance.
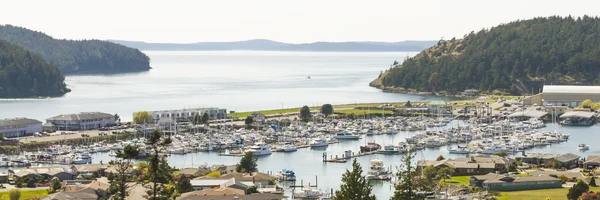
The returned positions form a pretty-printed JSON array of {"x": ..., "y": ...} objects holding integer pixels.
[
  {"x": 27, "y": 74},
  {"x": 511, "y": 58},
  {"x": 78, "y": 57}
]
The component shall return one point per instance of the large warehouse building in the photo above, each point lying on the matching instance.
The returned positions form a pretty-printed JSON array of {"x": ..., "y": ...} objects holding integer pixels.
[{"x": 569, "y": 95}]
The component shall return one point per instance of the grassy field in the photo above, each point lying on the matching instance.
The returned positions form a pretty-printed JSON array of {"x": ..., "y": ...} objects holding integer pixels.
[
  {"x": 27, "y": 194},
  {"x": 554, "y": 194},
  {"x": 463, "y": 180},
  {"x": 266, "y": 112},
  {"x": 365, "y": 112}
]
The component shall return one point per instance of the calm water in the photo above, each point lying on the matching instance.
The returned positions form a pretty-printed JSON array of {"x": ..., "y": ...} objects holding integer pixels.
[
  {"x": 307, "y": 163},
  {"x": 235, "y": 80}
]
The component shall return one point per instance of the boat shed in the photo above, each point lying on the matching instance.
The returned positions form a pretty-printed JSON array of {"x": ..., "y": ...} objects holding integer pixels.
[
  {"x": 569, "y": 95},
  {"x": 578, "y": 114},
  {"x": 528, "y": 114}
]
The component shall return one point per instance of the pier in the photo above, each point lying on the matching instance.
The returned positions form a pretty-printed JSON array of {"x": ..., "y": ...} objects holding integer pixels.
[{"x": 344, "y": 157}]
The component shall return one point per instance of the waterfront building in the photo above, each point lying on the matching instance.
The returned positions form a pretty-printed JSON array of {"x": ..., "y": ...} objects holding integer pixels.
[
  {"x": 505, "y": 182},
  {"x": 568, "y": 95},
  {"x": 209, "y": 182},
  {"x": 84, "y": 189},
  {"x": 439, "y": 107},
  {"x": 62, "y": 173},
  {"x": 591, "y": 162},
  {"x": 19, "y": 127},
  {"x": 473, "y": 165},
  {"x": 80, "y": 121},
  {"x": 227, "y": 194},
  {"x": 186, "y": 115},
  {"x": 578, "y": 118}
]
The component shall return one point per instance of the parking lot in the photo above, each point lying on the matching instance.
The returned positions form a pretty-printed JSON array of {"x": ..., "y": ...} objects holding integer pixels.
[{"x": 63, "y": 135}]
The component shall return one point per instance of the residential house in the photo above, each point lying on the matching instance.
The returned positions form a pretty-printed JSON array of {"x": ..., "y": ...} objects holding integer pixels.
[
  {"x": 538, "y": 158},
  {"x": 91, "y": 190},
  {"x": 224, "y": 169},
  {"x": 591, "y": 162},
  {"x": 505, "y": 182},
  {"x": 62, "y": 173},
  {"x": 19, "y": 127},
  {"x": 227, "y": 195},
  {"x": 92, "y": 170},
  {"x": 568, "y": 160},
  {"x": 211, "y": 183},
  {"x": 474, "y": 165},
  {"x": 194, "y": 172},
  {"x": 81, "y": 121}
]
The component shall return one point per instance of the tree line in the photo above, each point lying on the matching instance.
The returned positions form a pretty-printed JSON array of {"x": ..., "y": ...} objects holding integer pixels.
[
  {"x": 27, "y": 74},
  {"x": 78, "y": 56},
  {"x": 510, "y": 58}
]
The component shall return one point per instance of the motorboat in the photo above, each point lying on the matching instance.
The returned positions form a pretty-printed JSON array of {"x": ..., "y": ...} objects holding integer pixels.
[
  {"x": 458, "y": 150},
  {"x": 346, "y": 136},
  {"x": 78, "y": 161},
  {"x": 260, "y": 149},
  {"x": 289, "y": 147},
  {"x": 371, "y": 146},
  {"x": 285, "y": 175},
  {"x": 389, "y": 149},
  {"x": 583, "y": 147},
  {"x": 377, "y": 171},
  {"x": 318, "y": 142}
]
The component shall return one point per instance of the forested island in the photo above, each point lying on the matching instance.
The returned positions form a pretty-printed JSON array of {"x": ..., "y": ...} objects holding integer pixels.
[
  {"x": 509, "y": 58},
  {"x": 78, "y": 56},
  {"x": 27, "y": 74}
]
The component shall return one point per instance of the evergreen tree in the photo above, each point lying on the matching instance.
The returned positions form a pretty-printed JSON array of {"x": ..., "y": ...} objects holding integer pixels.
[
  {"x": 55, "y": 184},
  {"x": 205, "y": 118},
  {"x": 249, "y": 120},
  {"x": 593, "y": 181},
  {"x": 197, "y": 120},
  {"x": 327, "y": 109},
  {"x": 158, "y": 171},
  {"x": 184, "y": 185},
  {"x": 579, "y": 188},
  {"x": 119, "y": 188},
  {"x": 247, "y": 163},
  {"x": 429, "y": 172},
  {"x": 354, "y": 185},
  {"x": 440, "y": 157},
  {"x": 305, "y": 113},
  {"x": 409, "y": 181}
]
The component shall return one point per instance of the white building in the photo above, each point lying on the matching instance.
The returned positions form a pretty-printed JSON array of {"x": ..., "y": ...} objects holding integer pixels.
[
  {"x": 188, "y": 114},
  {"x": 568, "y": 95},
  {"x": 81, "y": 121},
  {"x": 19, "y": 127}
]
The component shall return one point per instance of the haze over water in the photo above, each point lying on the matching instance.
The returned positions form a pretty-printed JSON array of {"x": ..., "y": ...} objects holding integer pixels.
[{"x": 235, "y": 80}]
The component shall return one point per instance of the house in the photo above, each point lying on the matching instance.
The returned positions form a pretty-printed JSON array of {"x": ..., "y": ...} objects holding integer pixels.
[
  {"x": 4, "y": 178},
  {"x": 62, "y": 173},
  {"x": 91, "y": 190},
  {"x": 211, "y": 183},
  {"x": 591, "y": 162},
  {"x": 505, "y": 182},
  {"x": 474, "y": 165},
  {"x": 92, "y": 170},
  {"x": 224, "y": 169},
  {"x": 19, "y": 127},
  {"x": 81, "y": 121},
  {"x": 257, "y": 178},
  {"x": 469, "y": 92},
  {"x": 193, "y": 172},
  {"x": 438, "y": 107},
  {"x": 227, "y": 195},
  {"x": 568, "y": 160},
  {"x": 538, "y": 158}
]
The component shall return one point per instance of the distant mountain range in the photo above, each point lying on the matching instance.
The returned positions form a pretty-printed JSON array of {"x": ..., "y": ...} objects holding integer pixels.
[{"x": 269, "y": 45}]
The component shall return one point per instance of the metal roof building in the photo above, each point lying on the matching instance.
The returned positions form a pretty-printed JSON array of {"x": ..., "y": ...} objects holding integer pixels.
[{"x": 570, "y": 95}]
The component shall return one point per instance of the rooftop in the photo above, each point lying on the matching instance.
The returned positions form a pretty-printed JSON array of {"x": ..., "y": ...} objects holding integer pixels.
[
  {"x": 567, "y": 157},
  {"x": 571, "y": 89},
  {"x": 41, "y": 170},
  {"x": 529, "y": 113},
  {"x": 5, "y": 123},
  {"x": 195, "y": 195},
  {"x": 81, "y": 116},
  {"x": 581, "y": 114},
  {"x": 502, "y": 178}
]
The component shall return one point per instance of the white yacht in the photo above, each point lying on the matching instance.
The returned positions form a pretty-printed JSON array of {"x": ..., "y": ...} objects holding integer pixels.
[
  {"x": 492, "y": 150},
  {"x": 377, "y": 171},
  {"x": 318, "y": 142},
  {"x": 458, "y": 150},
  {"x": 346, "y": 136},
  {"x": 289, "y": 147},
  {"x": 583, "y": 147},
  {"x": 285, "y": 175},
  {"x": 260, "y": 149}
]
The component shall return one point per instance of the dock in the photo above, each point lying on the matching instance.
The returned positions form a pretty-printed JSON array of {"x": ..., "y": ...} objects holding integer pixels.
[{"x": 344, "y": 157}]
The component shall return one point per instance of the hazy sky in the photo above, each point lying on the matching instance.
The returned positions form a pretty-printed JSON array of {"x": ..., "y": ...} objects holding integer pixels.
[{"x": 294, "y": 21}]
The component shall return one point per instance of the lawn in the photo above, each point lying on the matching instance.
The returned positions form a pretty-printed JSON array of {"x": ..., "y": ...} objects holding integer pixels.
[
  {"x": 363, "y": 112},
  {"x": 554, "y": 194},
  {"x": 463, "y": 180},
  {"x": 27, "y": 194}
]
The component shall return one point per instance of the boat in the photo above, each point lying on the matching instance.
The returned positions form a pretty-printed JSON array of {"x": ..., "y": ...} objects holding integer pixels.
[
  {"x": 318, "y": 143},
  {"x": 377, "y": 171},
  {"x": 371, "y": 146},
  {"x": 389, "y": 149},
  {"x": 285, "y": 175},
  {"x": 260, "y": 149},
  {"x": 78, "y": 160},
  {"x": 289, "y": 147},
  {"x": 458, "y": 150},
  {"x": 346, "y": 136},
  {"x": 583, "y": 147},
  {"x": 312, "y": 194}
]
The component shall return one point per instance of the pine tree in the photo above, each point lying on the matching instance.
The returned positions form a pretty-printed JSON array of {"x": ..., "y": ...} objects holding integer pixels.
[
  {"x": 247, "y": 163},
  {"x": 305, "y": 113},
  {"x": 158, "y": 171},
  {"x": 410, "y": 182},
  {"x": 593, "y": 181},
  {"x": 119, "y": 188},
  {"x": 184, "y": 185},
  {"x": 205, "y": 118},
  {"x": 579, "y": 188},
  {"x": 354, "y": 185}
]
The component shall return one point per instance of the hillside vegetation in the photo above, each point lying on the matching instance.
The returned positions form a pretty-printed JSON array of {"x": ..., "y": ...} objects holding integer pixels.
[
  {"x": 27, "y": 74},
  {"x": 78, "y": 57},
  {"x": 510, "y": 58}
]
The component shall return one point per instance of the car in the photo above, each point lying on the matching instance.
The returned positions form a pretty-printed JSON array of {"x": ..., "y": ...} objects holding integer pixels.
[
  {"x": 85, "y": 135},
  {"x": 102, "y": 133}
]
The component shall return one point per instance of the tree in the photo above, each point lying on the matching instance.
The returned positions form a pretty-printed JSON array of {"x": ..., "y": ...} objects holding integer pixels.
[
  {"x": 433, "y": 81},
  {"x": 14, "y": 194},
  {"x": 305, "y": 113},
  {"x": 205, "y": 118},
  {"x": 593, "y": 181},
  {"x": 326, "y": 109},
  {"x": 354, "y": 185},
  {"x": 439, "y": 158},
  {"x": 247, "y": 163},
  {"x": 159, "y": 173},
  {"x": 249, "y": 120},
  {"x": 429, "y": 172},
  {"x": 501, "y": 154},
  {"x": 579, "y": 188},
  {"x": 184, "y": 185},
  {"x": 142, "y": 117},
  {"x": 512, "y": 167},
  {"x": 197, "y": 119},
  {"x": 117, "y": 118},
  {"x": 55, "y": 184},
  {"x": 445, "y": 172},
  {"x": 119, "y": 188},
  {"x": 589, "y": 196},
  {"x": 587, "y": 103},
  {"x": 596, "y": 106},
  {"x": 410, "y": 181}
]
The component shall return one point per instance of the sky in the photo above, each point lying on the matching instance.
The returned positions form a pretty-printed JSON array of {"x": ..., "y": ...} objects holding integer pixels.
[{"x": 293, "y": 21}]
